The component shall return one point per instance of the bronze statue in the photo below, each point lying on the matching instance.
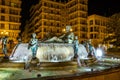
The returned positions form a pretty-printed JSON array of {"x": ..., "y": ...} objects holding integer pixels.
[
  {"x": 90, "y": 48},
  {"x": 76, "y": 46},
  {"x": 33, "y": 45},
  {"x": 4, "y": 46},
  {"x": 68, "y": 37}
]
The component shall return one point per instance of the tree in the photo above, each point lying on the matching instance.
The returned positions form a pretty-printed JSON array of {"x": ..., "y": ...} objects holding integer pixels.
[{"x": 113, "y": 26}]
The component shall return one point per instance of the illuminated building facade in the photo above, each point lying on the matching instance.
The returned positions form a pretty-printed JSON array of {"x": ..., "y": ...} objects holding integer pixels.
[
  {"x": 77, "y": 17},
  {"x": 10, "y": 18},
  {"x": 51, "y": 16},
  {"x": 97, "y": 28}
]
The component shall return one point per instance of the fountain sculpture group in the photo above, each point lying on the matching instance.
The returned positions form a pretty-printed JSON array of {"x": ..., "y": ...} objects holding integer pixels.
[{"x": 55, "y": 49}]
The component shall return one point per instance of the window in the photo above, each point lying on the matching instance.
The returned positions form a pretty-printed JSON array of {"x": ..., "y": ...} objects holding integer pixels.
[
  {"x": 12, "y": 4},
  {"x": 91, "y": 29},
  {"x": 44, "y": 29},
  {"x": 2, "y": 26},
  {"x": 13, "y": 19},
  {"x": 2, "y": 10},
  {"x": 57, "y": 31},
  {"x": 3, "y": 2},
  {"x": 91, "y": 36},
  {"x": 51, "y": 24},
  {"x": 95, "y": 36},
  {"x": 44, "y": 23},
  {"x": 3, "y": 18},
  {"x": 45, "y": 4},
  {"x": 91, "y": 22},
  {"x": 83, "y": 29},
  {"x": 13, "y": 12},
  {"x": 97, "y": 22},
  {"x": 83, "y": 36},
  {"x": 96, "y": 29},
  {"x": 13, "y": 27},
  {"x": 76, "y": 29},
  {"x": 104, "y": 24}
]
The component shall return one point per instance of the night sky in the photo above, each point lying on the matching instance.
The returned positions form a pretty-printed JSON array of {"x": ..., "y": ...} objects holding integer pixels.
[
  {"x": 100, "y": 7},
  {"x": 103, "y": 7},
  {"x": 26, "y": 4}
]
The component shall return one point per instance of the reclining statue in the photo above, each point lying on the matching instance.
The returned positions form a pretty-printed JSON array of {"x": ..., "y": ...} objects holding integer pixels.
[{"x": 68, "y": 37}]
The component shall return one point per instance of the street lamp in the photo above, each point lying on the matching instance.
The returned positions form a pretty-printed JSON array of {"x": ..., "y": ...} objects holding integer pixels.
[
  {"x": 64, "y": 30},
  {"x": 4, "y": 33}
]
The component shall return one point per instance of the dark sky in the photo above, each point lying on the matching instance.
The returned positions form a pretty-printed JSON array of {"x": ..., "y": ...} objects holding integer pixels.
[
  {"x": 103, "y": 7},
  {"x": 26, "y": 4},
  {"x": 100, "y": 7}
]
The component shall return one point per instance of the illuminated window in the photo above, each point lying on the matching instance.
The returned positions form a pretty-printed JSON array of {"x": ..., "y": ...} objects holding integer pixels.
[
  {"x": 2, "y": 26},
  {"x": 96, "y": 28},
  {"x": 14, "y": 4},
  {"x": 97, "y": 22},
  {"x": 91, "y": 22}
]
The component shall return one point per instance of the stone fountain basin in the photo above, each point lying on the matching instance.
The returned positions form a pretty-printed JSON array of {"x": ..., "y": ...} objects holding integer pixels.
[{"x": 47, "y": 52}]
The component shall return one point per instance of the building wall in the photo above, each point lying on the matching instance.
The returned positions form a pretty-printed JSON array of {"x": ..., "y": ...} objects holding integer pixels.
[
  {"x": 10, "y": 18},
  {"x": 77, "y": 11},
  {"x": 50, "y": 16},
  {"x": 46, "y": 17},
  {"x": 97, "y": 28}
]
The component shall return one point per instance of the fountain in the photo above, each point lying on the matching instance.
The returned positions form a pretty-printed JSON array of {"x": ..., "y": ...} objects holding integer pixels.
[
  {"x": 48, "y": 52},
  {"x": 20, "y": 52},
  {"x": 55, "y": 49},
  {"x": 104, "y": 66},
  {"x": 55, "y": 52}
]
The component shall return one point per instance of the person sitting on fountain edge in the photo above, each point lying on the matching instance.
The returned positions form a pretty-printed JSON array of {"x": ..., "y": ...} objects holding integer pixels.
[{"x": 68, "y": 37}]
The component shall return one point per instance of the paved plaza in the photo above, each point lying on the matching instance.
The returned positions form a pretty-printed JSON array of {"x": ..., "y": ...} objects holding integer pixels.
[{"x": 13, "y": 71}]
